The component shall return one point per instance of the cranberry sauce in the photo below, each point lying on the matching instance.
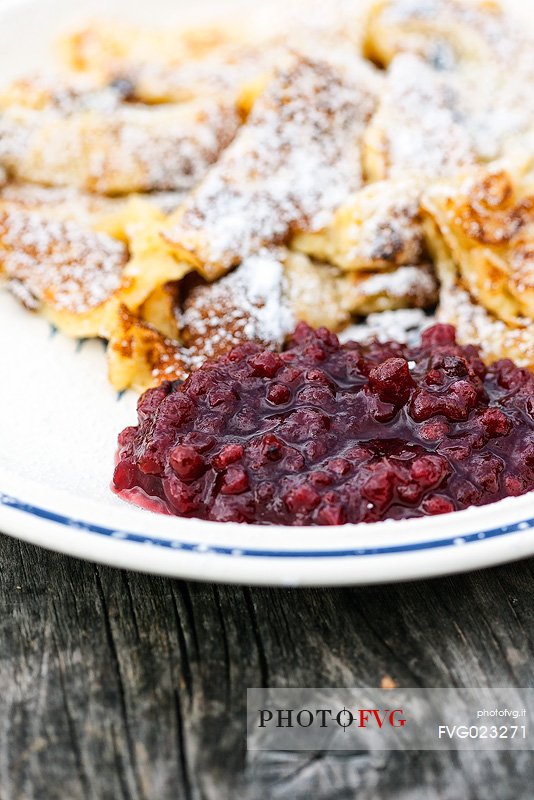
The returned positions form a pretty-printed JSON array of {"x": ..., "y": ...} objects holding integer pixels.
[{"x": 324, "y": 433}]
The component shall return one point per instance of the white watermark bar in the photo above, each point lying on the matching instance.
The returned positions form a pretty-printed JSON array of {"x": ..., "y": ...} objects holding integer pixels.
[{"x": 390, "y": 719}]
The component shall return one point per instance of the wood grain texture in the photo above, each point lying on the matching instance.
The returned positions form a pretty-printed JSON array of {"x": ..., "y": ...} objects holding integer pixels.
[{"x": 116, "y": 685}]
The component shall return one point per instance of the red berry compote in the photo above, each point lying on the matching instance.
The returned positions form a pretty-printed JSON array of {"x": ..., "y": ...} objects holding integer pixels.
[{"x": 324, "y": 433}]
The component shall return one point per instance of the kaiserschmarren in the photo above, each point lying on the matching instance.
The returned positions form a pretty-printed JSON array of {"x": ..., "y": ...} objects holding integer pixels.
[
  {"x": 486, "y": 231},
  {"x": 182, "y": 191}
]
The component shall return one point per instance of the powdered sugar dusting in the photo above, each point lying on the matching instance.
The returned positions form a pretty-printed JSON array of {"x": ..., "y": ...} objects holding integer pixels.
[
  {"x": 487, "y": 21},
  {"x": 168, "y": 148},
  {"x": 64, "y": 203},
  {"x": 482, "y": 55},
  {"x": 247, "y": 304},
  {"x": 417, "y": 122},
  {"x": 403, "y": 325},
  {"x": 58, "y": 262},
  {"x": 87, "y": 208},
  {"x": 262, "y": 277},
  {"x": 95, "y": 141},
  {"x": 404, "y": 282},
  {"x": 290, "y": 166}
]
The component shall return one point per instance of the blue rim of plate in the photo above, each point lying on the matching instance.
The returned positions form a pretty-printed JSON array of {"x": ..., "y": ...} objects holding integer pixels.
[{"x": 87, "y": 527}]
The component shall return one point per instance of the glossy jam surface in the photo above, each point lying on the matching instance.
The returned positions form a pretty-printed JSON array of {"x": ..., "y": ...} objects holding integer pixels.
[{"x": 324, "y": 433}]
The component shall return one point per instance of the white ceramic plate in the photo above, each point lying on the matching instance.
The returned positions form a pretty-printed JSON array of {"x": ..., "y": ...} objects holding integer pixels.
[{"x": 59, "y": 419}]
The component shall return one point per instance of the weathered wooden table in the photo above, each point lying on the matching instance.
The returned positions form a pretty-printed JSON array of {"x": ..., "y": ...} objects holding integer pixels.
[{"x": 117, "y": 685}]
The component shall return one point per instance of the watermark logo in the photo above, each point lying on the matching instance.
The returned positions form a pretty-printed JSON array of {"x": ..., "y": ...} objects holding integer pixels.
[
  {"x": 346, "y": 718},
  {"x": 389, "y": 719}
]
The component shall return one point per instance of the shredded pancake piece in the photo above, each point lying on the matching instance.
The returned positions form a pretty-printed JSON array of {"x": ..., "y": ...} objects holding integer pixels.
[
  {"x": 291, "y": 165},
  {"x": 95, "y": 141},
  {"x": 59, "y": 263},
  {"x": 415, "y": 129},
  {"x": 474, "y": 323},
  {"x": 413, "y": 286},
  {"x": 247, "y": 304},
  {"x": 377, "y": 228},
  {"x": 307, "y": 280},
  {"x": 78, "y": 276},
  {"x": 478, "y": 49},
  {"x": 446, "y": 33},
  {"x": 139, "y": 356},
  {"x": 482, "y": 230}
]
